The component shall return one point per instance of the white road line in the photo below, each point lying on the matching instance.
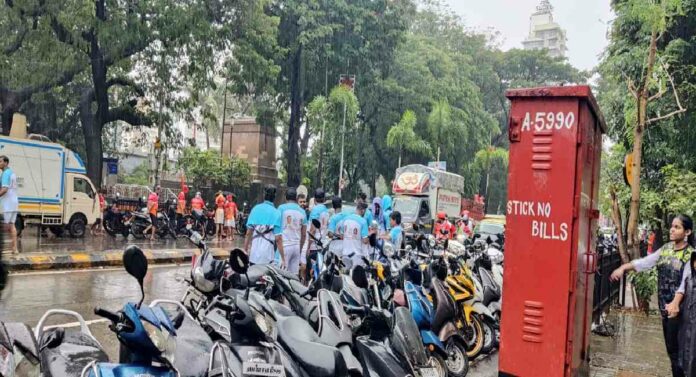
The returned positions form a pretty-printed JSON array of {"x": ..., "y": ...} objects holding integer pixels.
[{"x": 76, "y": 324}]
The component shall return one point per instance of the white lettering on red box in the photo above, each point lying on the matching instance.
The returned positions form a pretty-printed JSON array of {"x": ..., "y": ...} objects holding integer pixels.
[
  {"x": 548, "y": 121},
  {"x": 543, "y": 229}
]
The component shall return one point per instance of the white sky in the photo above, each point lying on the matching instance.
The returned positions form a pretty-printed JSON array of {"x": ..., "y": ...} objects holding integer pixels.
[{"x": 585, "y": 21}]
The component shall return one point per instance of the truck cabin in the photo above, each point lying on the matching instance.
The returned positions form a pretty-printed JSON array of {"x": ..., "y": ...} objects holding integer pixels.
[{"x": 414, "y": 210}]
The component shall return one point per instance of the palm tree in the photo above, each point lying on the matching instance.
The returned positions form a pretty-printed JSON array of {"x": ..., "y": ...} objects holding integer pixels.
[{"x": 403, "y": 137}]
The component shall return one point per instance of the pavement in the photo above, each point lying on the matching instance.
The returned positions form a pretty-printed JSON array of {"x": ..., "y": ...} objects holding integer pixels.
[{"x": 50, "y": 252}]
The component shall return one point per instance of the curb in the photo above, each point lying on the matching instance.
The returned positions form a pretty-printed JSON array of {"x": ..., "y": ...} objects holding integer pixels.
[{"x": 107, "y": 258}]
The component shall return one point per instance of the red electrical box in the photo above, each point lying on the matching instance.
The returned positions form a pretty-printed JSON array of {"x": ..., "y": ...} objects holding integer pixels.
[{"x": 555, "y": 150}]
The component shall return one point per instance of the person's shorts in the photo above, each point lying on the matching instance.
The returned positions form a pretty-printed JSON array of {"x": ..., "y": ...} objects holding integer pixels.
[
  {"x": 292, "y": 258},
  {"x": 153, "y": 219},
  {"x": 229, "y": 223},
  {"x": 9, "y": 217},
  {"x": 219, "y": 216}
]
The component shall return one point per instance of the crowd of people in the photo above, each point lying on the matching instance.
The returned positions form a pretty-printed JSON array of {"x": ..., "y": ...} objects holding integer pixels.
[{"x": 296, "y": 228}]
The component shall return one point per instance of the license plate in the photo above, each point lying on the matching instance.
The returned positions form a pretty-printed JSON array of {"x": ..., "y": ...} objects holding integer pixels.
[
  {"x": 429, "y": 372},
  {"x": 263, "y": 369}
]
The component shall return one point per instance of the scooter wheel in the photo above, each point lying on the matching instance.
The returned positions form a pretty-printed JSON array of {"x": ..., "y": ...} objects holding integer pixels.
[
  {"x": 489, "y": 337},
  {"x": 474, "y": 337},
  {"x": 457, "y": 362},
  {"x": 436, "y": 361}
]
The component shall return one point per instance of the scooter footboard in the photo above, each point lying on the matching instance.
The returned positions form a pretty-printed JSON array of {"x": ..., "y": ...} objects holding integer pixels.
[{"x": 118, "y": 370}]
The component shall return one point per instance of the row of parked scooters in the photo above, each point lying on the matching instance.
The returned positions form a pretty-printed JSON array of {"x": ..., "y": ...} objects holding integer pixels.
[{"x": 424, "y": 311}]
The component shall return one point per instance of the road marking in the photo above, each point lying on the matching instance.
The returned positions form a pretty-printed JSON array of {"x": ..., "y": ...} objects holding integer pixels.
[{"x": 76, "y": 324}]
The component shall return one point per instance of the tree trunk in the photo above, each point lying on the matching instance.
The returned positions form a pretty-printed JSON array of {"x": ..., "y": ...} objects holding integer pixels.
[
  {"x": 638, "y": 133},
  {"x": 321, "y": 155},
  {"x": 92, "y": 134},
  {"x": 293, "y": 159},
  {"x": 616, "y": 217}
]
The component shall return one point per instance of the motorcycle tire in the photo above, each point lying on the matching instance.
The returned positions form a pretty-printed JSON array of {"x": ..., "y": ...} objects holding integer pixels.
[
  {"x": 137, "y": 232},
  {"x": 474, "y": 337},
  {"x": 109, "y": 228},
  {"x": 436, "y": 361},
  {"x": 457, "y": 361},
  {"x": 489, "y": 337}
]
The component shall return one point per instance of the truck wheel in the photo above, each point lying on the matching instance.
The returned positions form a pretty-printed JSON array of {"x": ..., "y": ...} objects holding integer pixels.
[
  {"x": 19, "y": 225},
  {"x": 77, "y": 227}
]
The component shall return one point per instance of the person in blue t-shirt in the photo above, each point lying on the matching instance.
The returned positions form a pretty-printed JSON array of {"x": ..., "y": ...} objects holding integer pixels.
[
  {"x": 291, "y": 229},
  {"x": 321, "y": 213},
  {"x": 387, "y": 209},
  {"x": 336, "y": 225},
  {"x": 260, "y": 237},
  {"x": 395, "y": 235}
]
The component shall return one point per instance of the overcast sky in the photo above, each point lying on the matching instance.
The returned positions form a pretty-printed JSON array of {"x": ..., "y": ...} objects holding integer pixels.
[{"x": 585, "y": 22}]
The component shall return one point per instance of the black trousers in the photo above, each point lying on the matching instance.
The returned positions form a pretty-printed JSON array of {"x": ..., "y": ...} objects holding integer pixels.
[
  {"x": 311, "y": 256},
  {"x": 670, "y": 330}
]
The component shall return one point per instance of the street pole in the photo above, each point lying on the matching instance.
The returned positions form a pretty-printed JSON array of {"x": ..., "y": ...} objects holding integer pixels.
[{"x": 343, "y": 137}]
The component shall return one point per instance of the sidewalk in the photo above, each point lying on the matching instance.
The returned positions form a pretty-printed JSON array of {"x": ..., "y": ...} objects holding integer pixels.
[{"x": 637, "y": 349}]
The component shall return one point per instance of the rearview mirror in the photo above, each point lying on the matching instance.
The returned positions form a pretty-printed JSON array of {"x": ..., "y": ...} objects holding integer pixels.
[
  {"x": 135, "y": 263},
  {"x": 316, "y": 223},
  {"x": 477, "y": 236},
  {"x": 239, "y": 261}
]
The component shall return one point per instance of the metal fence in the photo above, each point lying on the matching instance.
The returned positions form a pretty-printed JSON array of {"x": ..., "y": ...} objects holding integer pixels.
[{"x": 606, "y": 292}]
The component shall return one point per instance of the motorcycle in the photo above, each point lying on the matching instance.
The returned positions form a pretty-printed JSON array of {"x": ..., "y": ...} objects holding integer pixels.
[
  {"x": 19, "y": 355},
  {"x": 475, "y": 322},
  {"x": 116, "y": 222}
]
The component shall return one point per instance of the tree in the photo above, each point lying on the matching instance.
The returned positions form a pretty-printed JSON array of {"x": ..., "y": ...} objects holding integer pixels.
[
  {"x": 485, "y": 161},
  {"x": 139, "y": 176},
  {"x": 647, "y": 79},
  {"x": 402, "y": 137},
  {"x": 208, "y": 168}
]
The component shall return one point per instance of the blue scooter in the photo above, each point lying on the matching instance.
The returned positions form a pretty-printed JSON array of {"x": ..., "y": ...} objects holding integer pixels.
[{"x": 147, "y": 336}]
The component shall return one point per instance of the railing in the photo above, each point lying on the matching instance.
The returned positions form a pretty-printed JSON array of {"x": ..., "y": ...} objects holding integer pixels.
[{"x": 606, "y": 292}]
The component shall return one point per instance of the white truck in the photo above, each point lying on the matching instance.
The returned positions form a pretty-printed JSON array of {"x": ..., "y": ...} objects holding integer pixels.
[
  {"x": 421, "y": 192},
  {"x": 53, "y": 188}
]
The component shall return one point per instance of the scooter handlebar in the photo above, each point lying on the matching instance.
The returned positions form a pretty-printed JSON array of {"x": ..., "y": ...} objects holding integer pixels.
[
  {"x": 356, "y": 310},
  {"x": 111, "y": 316}
]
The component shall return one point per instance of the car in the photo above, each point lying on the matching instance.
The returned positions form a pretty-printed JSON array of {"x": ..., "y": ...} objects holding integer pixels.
[{"x": 493, "y": 228}]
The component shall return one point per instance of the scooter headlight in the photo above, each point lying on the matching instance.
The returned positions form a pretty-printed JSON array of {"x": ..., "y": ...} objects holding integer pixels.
[
  {"x": 260, "y": 320},
  {"x": 201, "y": 282},
  {"x": 431, "y": 240},
  {"x": 388, "y": 250}
]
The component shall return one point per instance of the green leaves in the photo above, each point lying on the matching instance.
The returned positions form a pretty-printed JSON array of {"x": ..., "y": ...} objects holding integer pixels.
[
  {"x": 208, "y": 168},
  {"x": 402, "y": 136}
]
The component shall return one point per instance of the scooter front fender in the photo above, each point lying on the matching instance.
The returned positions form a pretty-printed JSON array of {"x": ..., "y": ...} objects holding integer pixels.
[
  {"x": 448, "y": 331},
  {"x": 481, "y": 309},
  {"x": 429, "y": 338},
  {"x": 379, "y": 360}
]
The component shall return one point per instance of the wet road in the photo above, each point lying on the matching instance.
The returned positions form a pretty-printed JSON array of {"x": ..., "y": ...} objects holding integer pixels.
[
  {"x": 30, "y": 243},
  {"x": 28, "y": 296}
]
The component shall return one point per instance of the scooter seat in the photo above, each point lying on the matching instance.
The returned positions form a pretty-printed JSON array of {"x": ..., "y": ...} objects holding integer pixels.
[
  {"x": 192, "y": 349},
  {"x": 317, "y": 359},
  {"x": 68, "y": 353},
  {"x": 297, "y": 287}
]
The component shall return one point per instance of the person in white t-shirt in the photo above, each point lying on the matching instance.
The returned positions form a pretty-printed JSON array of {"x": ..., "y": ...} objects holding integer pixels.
[
  {"x": 355, "y": 235},
  {"x": 9, "y": 200}
]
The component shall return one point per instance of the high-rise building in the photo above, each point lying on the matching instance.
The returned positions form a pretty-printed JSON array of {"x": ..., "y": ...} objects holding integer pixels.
[{"x": 544, "y": 33}]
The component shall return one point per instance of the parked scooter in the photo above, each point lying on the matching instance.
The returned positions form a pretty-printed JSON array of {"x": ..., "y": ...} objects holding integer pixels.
[{"x": 147, "y": 336}]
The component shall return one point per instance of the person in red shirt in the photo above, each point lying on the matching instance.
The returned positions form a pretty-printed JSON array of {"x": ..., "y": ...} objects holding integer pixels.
[
  {"x": 197, "y": 205},
  {"x": 181, "y": 206},
  {"x": 219, "y": 214},
  {"x": 97, "y": 229},
  {"x": 651, "y": 242},
  {"x": 152, "y": 206},
  {"x": 230, "y": 215},
  {"x": 444, "y": 228}
]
